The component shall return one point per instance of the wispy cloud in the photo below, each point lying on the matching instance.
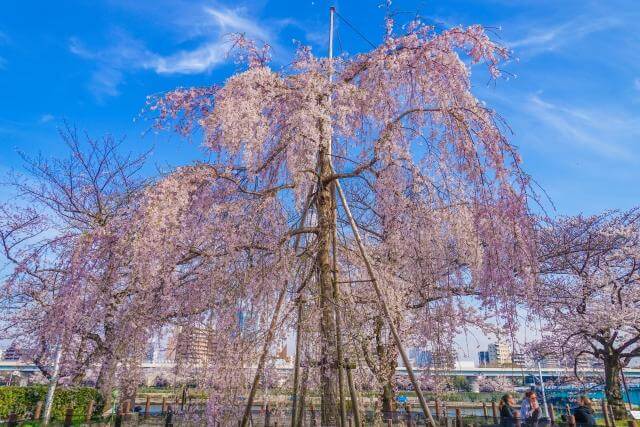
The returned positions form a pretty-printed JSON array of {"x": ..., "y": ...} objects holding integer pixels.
[
  {"x": 540, "y": 37},
  {"x": 209, "y": 37},
  {"x": 46, "y": 118},
  {"x": 4, "y": 40},
  {"x": 636, "y": 84},
  {"x": 604, "y": 133}
]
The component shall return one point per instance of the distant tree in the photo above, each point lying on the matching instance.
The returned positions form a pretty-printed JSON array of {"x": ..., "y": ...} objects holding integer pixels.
[
  {"x": 589, "y": 291},
  {"x": 495, "y": 384},
  {"x": 60, "y": 240}
]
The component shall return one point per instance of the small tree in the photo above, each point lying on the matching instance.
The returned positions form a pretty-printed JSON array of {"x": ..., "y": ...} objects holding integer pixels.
[
  {"x": 589, "y": 291},
  {"x": 63, "y": 286}
]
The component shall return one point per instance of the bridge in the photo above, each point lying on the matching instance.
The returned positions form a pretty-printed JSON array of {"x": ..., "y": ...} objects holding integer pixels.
[
  {"x": 521, "y": 372},
  {"x": 25, "y": 368}
]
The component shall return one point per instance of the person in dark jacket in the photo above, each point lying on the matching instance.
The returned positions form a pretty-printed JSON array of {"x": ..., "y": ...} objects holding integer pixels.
[
  {"x": 507, "y": 412},
  {"x": 583, "y": 413}
]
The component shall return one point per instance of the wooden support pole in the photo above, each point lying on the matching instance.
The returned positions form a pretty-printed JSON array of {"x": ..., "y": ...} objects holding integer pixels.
[
  {"x": 68, "y": 418},
  {"x": 383, "y": 303},
  {"x": 485, "y": 414},
  {"x": 147, "y": 407},
  {"x": 336, "y": 308},
  {"x": 458, "y": 418},
  {"x": 168, "y": 421},
  {"x": 38, "y": 412},
  {"x": 89, "y": 414},
  {"x": 612, "y": 415},
  {"x": 517, "y": 418},
  {"x": 438, "y": 413},
  {"x": 407, "y": 408},
  {"x": 164, "y": 405},
  {"x": 303, "y": 394},
  {"x": 605, "y": 413},
  {"x": 267, "y": 416},
  {"x": 352, "y": 390},
  {"x": 296, "y": 366},
  {"x": 313, "y": 415},
  {"x": 263, "y": 357},
  {"x": 494, "y": 411}
]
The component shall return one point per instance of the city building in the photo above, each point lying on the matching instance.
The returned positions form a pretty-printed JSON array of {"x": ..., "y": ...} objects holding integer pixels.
[
  {"x": 585, "y": 361},
  {"x": 499, "y": 353},
  {"x": 152, "y": 355},
  {"x": 549, "y": 362},
  {"x": 518, "y": 359},
  {"x": 420, "y": 357},
  {"x": 483, "y": 358},
  {"x": 12, "y": 352},
  {"x": 283, "y": 354},
  {"x": 193, "y": 346}
]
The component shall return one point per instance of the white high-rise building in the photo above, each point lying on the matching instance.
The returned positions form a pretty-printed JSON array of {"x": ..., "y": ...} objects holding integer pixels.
[{"x": 499, "y": 353}]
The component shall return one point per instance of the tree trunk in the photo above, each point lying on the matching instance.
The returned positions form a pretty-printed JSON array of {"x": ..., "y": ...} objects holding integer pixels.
[
  {"x": 387, "y": 398},
  {"x": 613, "y": 389},
  {"x": 106, "y": 380},
  {"x": 328, "y": 358},
  {"x": 387, "y": 363}
]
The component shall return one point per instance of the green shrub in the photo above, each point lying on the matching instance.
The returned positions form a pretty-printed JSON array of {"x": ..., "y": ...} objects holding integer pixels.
[{"x": 23, "y": 400}]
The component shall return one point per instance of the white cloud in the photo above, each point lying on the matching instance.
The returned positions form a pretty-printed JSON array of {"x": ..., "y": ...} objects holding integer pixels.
[
  {"x": 4, "y": 40},
  {"x": 604, "y": 133},
  {"x": 210, "y": 35},
  {"x": 231, "y": 20},
  {"x": 46, "y": 118},
  {"x": 212, "y": 52},
  {"x": 540, "y": 37},
  {"x": 195, "y": 61}
]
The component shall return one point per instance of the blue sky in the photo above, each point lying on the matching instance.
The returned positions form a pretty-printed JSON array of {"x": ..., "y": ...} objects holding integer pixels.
[{"x": 573, "y": 100}]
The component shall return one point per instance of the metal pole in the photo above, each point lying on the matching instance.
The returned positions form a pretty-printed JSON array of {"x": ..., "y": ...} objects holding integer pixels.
[
  {"x": 53, "y": 382},
  {"x": 626, "y": 389},
  {"x": 544, "y": 396},
  {"x": 332, "y": 11}
]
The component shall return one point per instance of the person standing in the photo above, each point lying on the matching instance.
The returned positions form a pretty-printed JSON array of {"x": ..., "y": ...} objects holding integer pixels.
[
  {"x": 583, "y": 413},
  {"x": 507, "y": 411}
]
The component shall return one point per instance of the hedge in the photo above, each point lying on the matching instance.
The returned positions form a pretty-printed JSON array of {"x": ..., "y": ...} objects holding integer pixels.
[{"x": 23, "y": 400}]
